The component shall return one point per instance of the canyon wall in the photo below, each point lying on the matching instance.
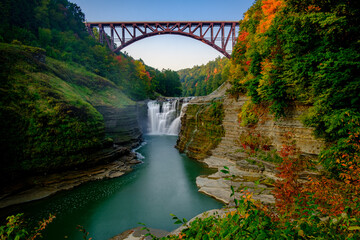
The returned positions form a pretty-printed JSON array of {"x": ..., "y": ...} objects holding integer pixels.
[
  {"x": 122, "y": 125},
  {"x": 228, "y": 150}
]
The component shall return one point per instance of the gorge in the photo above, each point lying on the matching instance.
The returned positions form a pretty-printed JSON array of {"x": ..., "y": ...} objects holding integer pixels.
[
  {"x": 273, "y": 133},
  {"x": 163, "y": 183}
]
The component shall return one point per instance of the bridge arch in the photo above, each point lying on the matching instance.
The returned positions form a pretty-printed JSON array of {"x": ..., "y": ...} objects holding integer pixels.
[{"x": 118, "y": 35}]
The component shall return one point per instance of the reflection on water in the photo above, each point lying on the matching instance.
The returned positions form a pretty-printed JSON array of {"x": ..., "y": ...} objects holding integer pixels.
[{"x": 163, "y": 184}]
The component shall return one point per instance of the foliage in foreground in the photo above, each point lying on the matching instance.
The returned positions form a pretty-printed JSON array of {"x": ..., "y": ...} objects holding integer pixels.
[
  {"x": 15, "y": 229},
  {"x": 321, "y": 208},
  {"x": 318, "y": 209}
]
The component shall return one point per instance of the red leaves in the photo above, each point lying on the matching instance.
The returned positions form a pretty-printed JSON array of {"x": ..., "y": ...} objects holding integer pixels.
[
  {"x": 289, "y": 187},
  {"x": 119, "y": 59},
  {"x": 313, "y": 8},
  {"x": 242, "y": 36},
  {"x": 329, "y": 196}
]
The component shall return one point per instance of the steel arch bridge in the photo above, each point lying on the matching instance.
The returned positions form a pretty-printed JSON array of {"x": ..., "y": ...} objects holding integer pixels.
[{"x": 220, "y": 35}]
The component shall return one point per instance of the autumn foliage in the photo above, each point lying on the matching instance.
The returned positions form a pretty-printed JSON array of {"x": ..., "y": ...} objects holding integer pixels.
[
  {"x": 306, "y": 52},
  {"x": 323, "y": 196},
  {"x": 269, "y": 8}
]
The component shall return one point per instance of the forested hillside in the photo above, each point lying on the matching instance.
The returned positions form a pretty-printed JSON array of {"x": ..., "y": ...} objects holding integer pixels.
[
  {"x": 203, "y": 80},
  {"x": 288, "y": 52},
  {"x": 308, "y": 52},
  {"x": 297, "y": 53},
  {"x": 57, "y": 26},
  {"x": 53, "y": 76}
]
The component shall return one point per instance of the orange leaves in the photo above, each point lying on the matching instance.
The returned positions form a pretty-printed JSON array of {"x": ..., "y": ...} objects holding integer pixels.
[
  {"x": 247, "y": 196},
  {"x": 313, "y": 8},
  {"x": 41, "y": 227},
  {"x": 182, "y": 235},
  {"x": 327, "y": 196},
  {"x": 269, "y": 8},
  {"x": 242, "y": 36},
  {"x": 142, "y": 73}
]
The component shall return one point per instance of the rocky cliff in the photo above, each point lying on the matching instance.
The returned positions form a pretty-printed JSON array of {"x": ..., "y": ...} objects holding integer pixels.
[
  {"x": 254, "y": 172},
  {"x": 121, "y": 124},
  {"x": 201, "y": 128},
  {"x": 58, "y": 117}
]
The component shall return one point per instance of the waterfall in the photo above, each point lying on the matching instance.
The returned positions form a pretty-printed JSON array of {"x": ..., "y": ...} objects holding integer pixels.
[
  {"x": 164, "y": 117},
  {"x": 174, "y": 128}
]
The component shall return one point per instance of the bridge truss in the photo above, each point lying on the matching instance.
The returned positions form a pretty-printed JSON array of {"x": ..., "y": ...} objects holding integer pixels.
[{"x": 220, "y": 35}]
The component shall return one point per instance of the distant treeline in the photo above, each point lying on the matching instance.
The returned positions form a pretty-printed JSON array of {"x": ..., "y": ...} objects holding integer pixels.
[
  {"x": 57, "y": 26},
  {"x": 203, "y": 80},
  {"x": 53, "y": 77}
]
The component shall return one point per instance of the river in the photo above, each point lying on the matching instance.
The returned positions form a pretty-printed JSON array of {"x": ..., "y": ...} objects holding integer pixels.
[{"x": 164, "y": 183}]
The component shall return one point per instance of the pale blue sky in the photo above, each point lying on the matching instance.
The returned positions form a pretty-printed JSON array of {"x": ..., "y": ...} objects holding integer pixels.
[{"x": 167, "y": 51}]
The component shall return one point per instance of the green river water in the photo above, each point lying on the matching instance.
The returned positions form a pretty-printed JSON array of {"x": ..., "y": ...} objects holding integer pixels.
[{"x": 163, "y": 184}]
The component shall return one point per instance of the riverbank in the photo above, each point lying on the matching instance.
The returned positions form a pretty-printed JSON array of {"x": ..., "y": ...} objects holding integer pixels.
[
  {"x": 253, "y": 172},
  {"x": 139, "y": 233},
  {"x": 164, "y": 183},
  {"x": 39, "y": 187}
]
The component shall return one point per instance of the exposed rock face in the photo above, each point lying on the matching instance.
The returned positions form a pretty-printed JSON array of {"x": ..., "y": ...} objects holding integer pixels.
[
  {"x": 39, "y": 187},
  {"x": 140, "y": 234},
  {"x": 121, "y": 124},
  {"x": 251, "y": 173},
  {"x": 201, "y": 128}
]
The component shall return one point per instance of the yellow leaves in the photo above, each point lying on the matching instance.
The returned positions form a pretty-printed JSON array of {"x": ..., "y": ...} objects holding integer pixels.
[
  {"x": 246, "y": 17},
  {"x": 232, "y": 213},
  {"x": 140, "y": 69},
  {"x": 247, "y": 196}
]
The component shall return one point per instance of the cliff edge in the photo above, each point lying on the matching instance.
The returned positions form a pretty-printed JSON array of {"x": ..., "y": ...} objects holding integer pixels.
[{"x": 254, "y": 171}]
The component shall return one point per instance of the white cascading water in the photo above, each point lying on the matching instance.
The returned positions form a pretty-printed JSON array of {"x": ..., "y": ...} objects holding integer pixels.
[{"x": 164, "y": 119}]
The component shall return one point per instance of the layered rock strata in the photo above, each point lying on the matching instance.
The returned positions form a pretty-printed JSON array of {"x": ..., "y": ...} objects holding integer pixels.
[
  {"x": 251, "y": 173},
  {"x": 121, "y": 125},
  {"x": 39, "y": 187}
]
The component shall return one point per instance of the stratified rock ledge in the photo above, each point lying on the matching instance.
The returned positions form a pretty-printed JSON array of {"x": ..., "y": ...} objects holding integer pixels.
[
  {"x": 251, "y": 173},
  {"x": 44, "y": 186}
]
